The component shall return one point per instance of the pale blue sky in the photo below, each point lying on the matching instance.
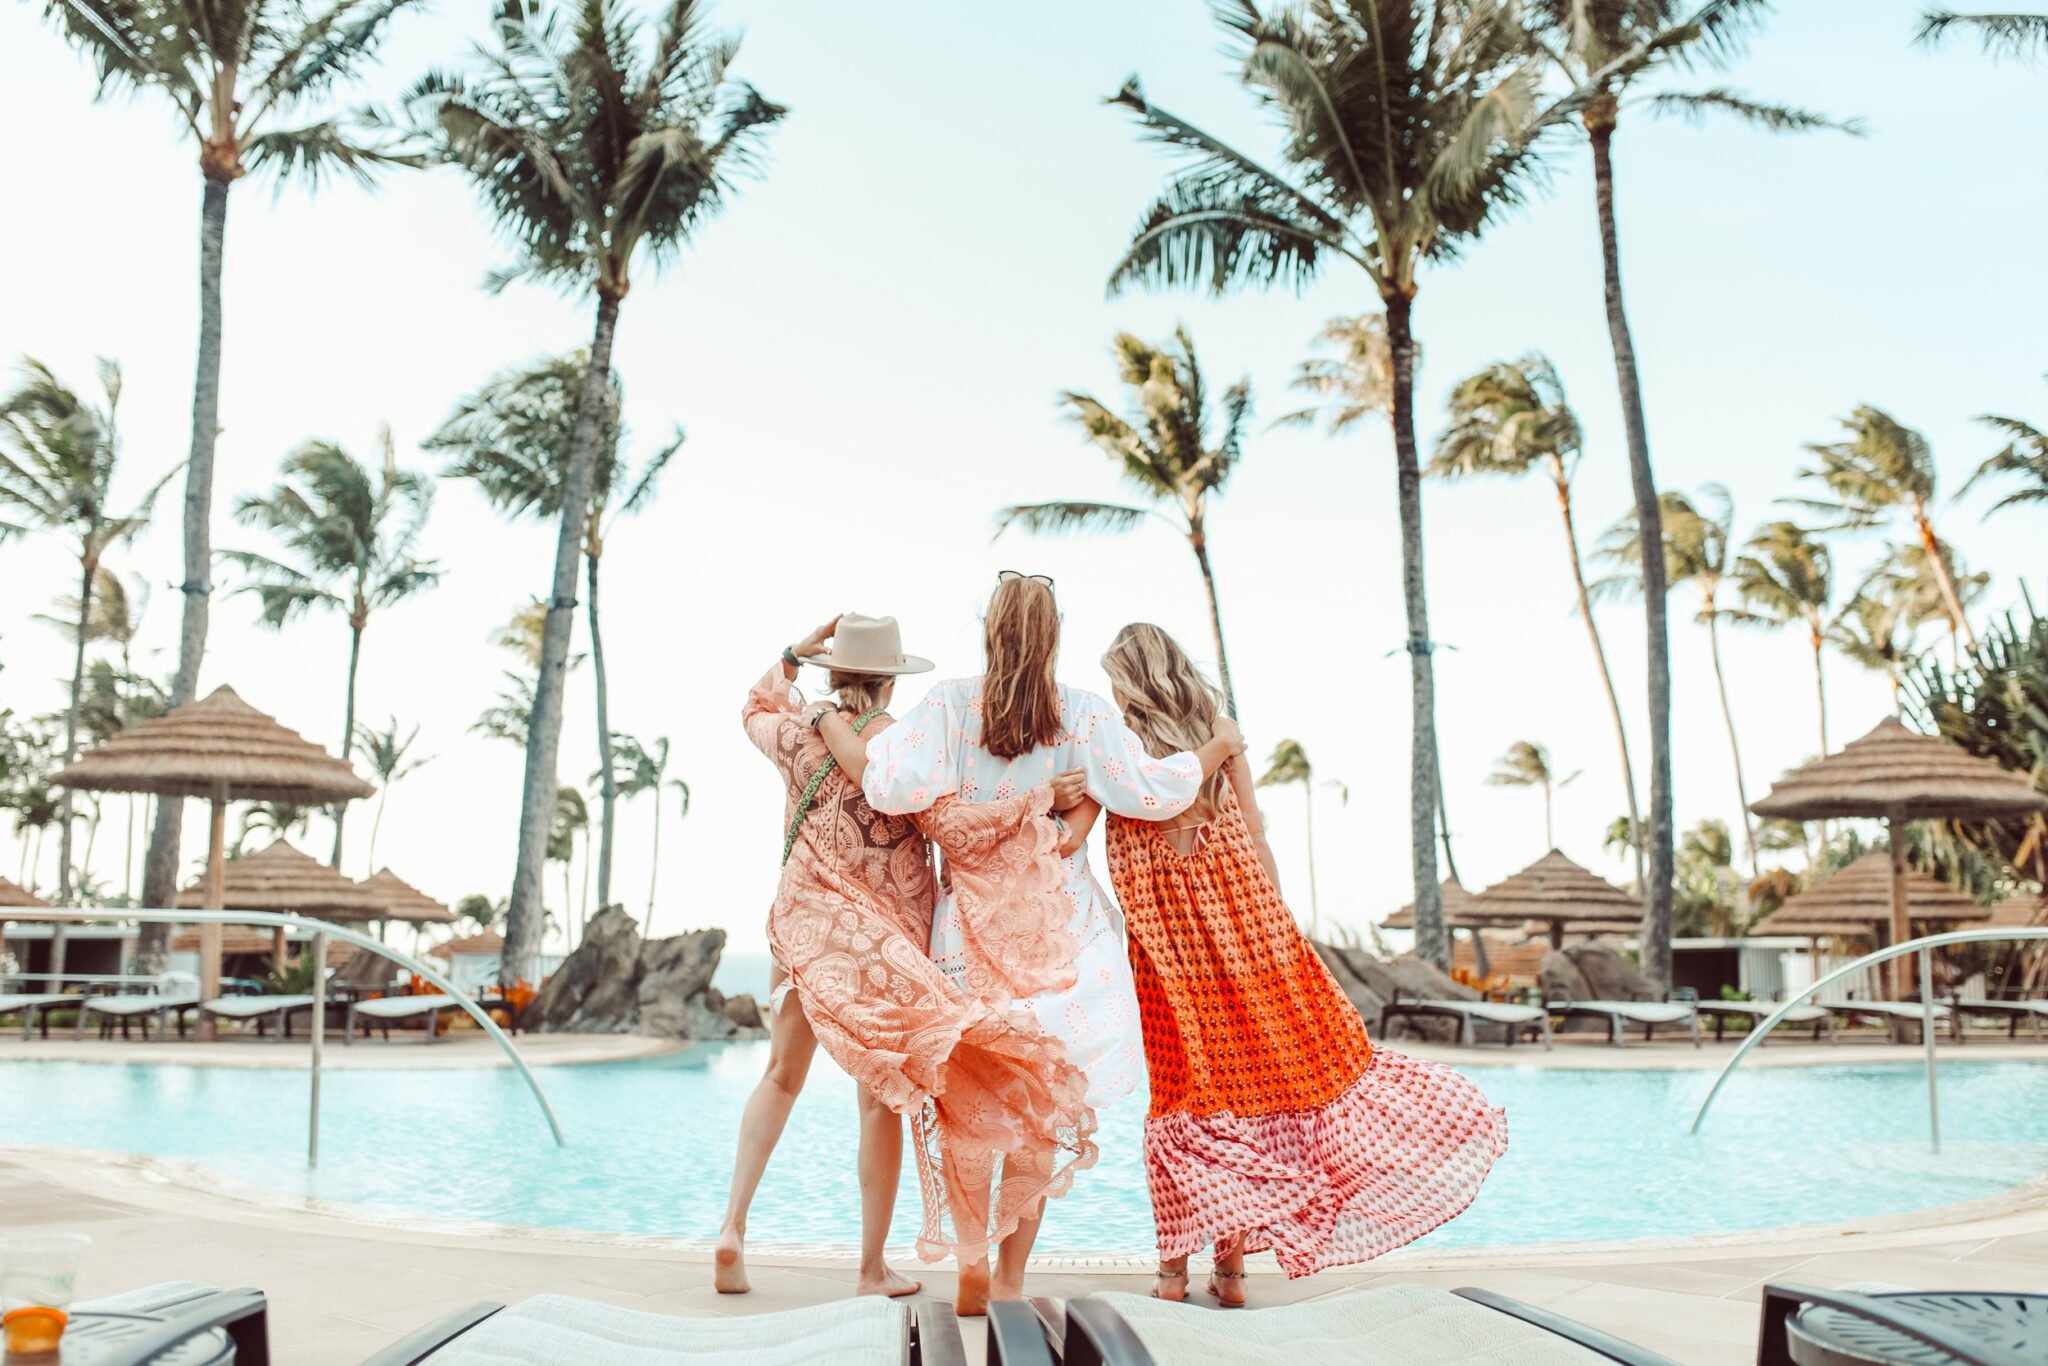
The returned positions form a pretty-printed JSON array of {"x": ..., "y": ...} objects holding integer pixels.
[{"x": 865, "y": 351}]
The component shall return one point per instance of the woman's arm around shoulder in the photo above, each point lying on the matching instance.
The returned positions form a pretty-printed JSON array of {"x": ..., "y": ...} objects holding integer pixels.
[{"x": 1242, "y": 785}]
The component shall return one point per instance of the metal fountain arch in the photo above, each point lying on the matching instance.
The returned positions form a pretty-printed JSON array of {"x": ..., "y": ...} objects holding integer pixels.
[
  {"x": 1924, "y": 947},
  {"x": 321, "y": 929}
]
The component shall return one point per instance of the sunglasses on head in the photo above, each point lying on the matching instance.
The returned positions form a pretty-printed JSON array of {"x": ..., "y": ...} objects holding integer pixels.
[{"x": 1011, "y": 575}]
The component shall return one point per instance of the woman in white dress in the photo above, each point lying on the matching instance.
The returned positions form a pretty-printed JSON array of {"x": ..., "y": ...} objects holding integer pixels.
[{"x": 1021, "y": 919}]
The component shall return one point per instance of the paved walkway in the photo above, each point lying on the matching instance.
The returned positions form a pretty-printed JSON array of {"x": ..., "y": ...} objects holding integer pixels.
[{"x": 340, "y": 1289}]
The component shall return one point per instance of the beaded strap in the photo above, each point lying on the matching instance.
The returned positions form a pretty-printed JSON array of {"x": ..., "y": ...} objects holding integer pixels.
[{"x": 803, "y": 803}]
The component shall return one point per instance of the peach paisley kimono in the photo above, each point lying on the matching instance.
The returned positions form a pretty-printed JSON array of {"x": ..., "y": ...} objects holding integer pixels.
[
  {"x": 1018, "y": 927},
  {"x": 850, "y": 923}
]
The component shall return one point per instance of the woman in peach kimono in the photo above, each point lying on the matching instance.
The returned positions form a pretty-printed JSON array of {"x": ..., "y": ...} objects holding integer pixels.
[{"x": 1022, "y": 926}]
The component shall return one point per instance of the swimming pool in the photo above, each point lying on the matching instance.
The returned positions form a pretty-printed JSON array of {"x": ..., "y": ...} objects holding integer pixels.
[{"x": 1592, "y": 1154}]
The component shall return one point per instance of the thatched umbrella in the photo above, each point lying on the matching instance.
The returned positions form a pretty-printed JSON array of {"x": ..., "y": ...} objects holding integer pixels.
[
  {"x": 13, "y": 895},
  {"x": 1558, "y": 893},
  {"x": 279, "y": 877},
  {"x": 1455, "y": 898},
  {"x": 403, "y": 901},
  {"x": 1856, "y": 902},
  {"x": 222, "y": 749},
  {"x": 1895, "y": 775}
]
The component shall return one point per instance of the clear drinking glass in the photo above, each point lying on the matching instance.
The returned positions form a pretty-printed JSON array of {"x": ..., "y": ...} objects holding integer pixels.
[{"x": 40, "y": 1269}]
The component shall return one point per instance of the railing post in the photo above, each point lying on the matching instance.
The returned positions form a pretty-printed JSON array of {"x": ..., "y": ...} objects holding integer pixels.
[
  {"x": 1927, "y": 1040},
  {"x": 319, "y": 1037}
]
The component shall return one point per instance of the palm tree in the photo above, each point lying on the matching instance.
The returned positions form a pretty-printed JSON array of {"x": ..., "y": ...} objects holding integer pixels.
[
  {"x": 58, "y": 457},
  {"x": 644, "y": 768},
  {"x": 513, "y": 437},
  {"x": 1884, "y": 467},
  {"x": 353, "y": 535},
  {"x": 1697, "y": 536},
  {"x": 1527, "y": 764},
  {"x": 246, "y": 80},
  {"x": 572, "y": 817},
  {"x": 589, "y": 142},
  {"x": 480, "y": 911},
  {"x": 1786, "y": 578},
  {"x": 1165, "y": 449},
  {"x": 1353, "y": 385},
  {"x": 1603, "y": 51},
  {"x": 279, "y": 820},
  {"x": 2005, "y": 35},
  {"x": 1290, "y": 764},
  {"x": 1508, "y": 419},
  {"x": 2025, "y": 457},
  {"x": 510, "y": 717},
  {"x": 1872, "y": 630},
  {"x": 1405, "y": 135},
  {"x": 389, "y": 757},
  {"x": 1914, "y": 579}
]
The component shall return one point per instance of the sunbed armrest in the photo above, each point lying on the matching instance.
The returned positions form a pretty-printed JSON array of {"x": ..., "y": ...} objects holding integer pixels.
[
  {"x": 419, "y": 1345},
  {"x": 1592, "y": 1339},
  {"x": 935, "y": 1335},
  {"x": 243, "y": 1313},
  {"x": 1016, "y": 1336},
  {"x": 1782, "y": 1303},
  {"x": 1098, "y": 1336}
]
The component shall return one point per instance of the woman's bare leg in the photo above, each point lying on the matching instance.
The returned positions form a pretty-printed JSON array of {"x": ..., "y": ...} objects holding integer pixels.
[
  {"x": 1171, "y": 1281},
  {"x": 1226, "y": 1283},
  {"x": 881, "y": 1168},
  {"x": 790, "y": 1048},
  {"x": 1012, "y": 1255},
  {"x": 967, "y": 1189}
]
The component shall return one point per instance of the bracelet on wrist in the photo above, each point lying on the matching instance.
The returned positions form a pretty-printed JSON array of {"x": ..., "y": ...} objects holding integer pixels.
[{"x": 789, "y": 657}]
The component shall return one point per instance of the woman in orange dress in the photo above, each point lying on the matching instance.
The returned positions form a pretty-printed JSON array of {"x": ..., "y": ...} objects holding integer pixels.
[{"x": 1275, "y": 1123}]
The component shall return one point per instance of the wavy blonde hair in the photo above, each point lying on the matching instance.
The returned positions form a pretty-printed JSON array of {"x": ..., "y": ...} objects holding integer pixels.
[
  {"x": 1169, "y": 704},
  {"x": 1020, "y": 638},
  {"x": 859, "y": 693}
]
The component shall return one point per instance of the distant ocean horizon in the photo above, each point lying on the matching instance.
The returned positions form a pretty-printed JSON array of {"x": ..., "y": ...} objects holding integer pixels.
[{"x": 743, "y": 974}]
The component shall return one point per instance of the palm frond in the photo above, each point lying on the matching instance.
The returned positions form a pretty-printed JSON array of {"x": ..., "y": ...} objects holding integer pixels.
[
  {"x": 1051, "y": 519},
  {"x": 2005, "y": 34},
  {"x": 1694, "y": 106},
  {"x": 320, "y": 151}
]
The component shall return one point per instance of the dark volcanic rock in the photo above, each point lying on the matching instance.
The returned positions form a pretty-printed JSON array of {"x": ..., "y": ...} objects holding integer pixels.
[{"x": 617, "y": 983}]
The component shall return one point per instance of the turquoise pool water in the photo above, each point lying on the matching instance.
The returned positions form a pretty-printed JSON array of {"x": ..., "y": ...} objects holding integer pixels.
[{"x": 1592, "y": 1155}]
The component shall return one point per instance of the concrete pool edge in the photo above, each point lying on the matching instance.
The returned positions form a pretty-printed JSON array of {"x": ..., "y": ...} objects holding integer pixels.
[{"x": 173, "y": 1187}]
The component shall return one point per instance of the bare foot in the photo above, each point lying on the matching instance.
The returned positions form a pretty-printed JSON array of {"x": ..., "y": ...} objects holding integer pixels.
[
  {"x": 729, "y": 1265},
  {"x": 971, "y": 1299},
  {"x": 889, "y": 1283}
]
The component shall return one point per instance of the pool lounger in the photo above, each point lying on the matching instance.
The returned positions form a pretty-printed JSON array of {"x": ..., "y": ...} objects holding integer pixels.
[
  {"x": 148, "y": 1325},
  {"x": 260, "y": 1009},
  {"x": 1896, "y": 1014},
  {"x": 162, "y": 1005},
  {"x": 1469, "y": 1014},
  {"x": 389, "y": 1008},
  {"x": 1395, "y": 1325},
  {"x": 1618, "y": 1015},
  {"x": 1755, "y": 1013},
  {"x": 865, "y": 1331},
  {"x": 30, "y": 1006},
  {"x": 2012, "y": 1012}
]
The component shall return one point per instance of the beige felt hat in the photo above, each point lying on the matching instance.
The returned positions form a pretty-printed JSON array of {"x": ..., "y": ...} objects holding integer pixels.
[{"x": 869, "y": 645}]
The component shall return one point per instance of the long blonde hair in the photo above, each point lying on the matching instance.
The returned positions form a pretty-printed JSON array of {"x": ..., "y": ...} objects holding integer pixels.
[
  {"x": 1020, "y": 637},
  {"x": 1169, "y": 704}
]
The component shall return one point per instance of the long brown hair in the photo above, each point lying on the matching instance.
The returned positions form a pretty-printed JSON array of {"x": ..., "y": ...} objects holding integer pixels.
[
  {"x": 1020, "y": 637},
  {"x": 1169, "y": 704}
]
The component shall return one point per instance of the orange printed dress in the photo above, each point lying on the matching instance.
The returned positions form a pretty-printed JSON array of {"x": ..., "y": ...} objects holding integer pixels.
[{"x": 1274, "y": 1119}]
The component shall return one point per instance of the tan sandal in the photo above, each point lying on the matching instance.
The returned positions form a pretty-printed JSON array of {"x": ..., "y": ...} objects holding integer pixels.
[
  {"x": 1162, "y": 1274},
  {"x": 1217, "y": 1290}
]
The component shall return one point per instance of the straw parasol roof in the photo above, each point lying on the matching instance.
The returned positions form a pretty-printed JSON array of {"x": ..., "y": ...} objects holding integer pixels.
[
  {"x": 1896, "y": 772},
  {"x": 12, "y": 895},
  {"x": 1860, "y": 896},
  {"x": 405, "y": 901},
  {"x": 219, "y": 739},
  {"x": 280, "y": 878},
  {"x": 1560, "y": 894},
  {"x": 244, "y": 939},
  {"x": 483, "y": 945},
  {"x": 1455, "y": 899}
]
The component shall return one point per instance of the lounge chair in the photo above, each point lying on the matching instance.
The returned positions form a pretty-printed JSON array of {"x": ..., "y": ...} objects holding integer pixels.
[
  {"x": 149, "y": 1325},
  {"x": 275, "y": 1010},
  {"x": 1895, "y": 1014},
  {"x": 1395, "y": 1325},
  {"x": 163, "y": 1004},
  {"x": 42, "y": 1003},
  {"x": 866, "y": 1331},
  {"x": 2012, "y": 1012},
  {"x": 1976, "y": 1328},
  {"x": 1754, "y": 1013},
  {"x": 1619, "y": 1015},
  {"x": 1512, "y": 1019},
  {"x": 385, "y": 1009}
]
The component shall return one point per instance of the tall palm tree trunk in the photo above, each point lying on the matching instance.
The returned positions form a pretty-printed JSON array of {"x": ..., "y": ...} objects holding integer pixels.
[
  {"x": 654, "y": 861},
  {"x": 160, "y": 864},
  {"x": 1549, "y": 835},
  {"x": 1308, "y": 799},
  {"x": 1431, "y": 941},
  {"x": 1443, "y": 823},
  {"x": 376, "y": 824},
  {"x": 348, "y": 727},
  {"x": 64, "y": 806},
  {"x": 1820, "y": 696},
  {"x": 1942, "y": 574},
  {"x": 1655, "y": 948},
  {"x": 1201, "y": 546},
  {"x": 1734, "y": 746},
  {"x": 608, "y": 802},
  {"x": 523, "y": 917},
  {"x": 1628, "y": 772}
]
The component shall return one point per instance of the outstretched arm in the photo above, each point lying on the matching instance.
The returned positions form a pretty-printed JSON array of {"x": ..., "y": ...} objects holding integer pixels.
[
  {"x": 1254, "y": 823},
  {"x": 850, "y": 749}
]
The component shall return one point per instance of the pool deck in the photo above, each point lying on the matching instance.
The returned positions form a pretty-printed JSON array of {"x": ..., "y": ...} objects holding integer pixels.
[{"x": 340, "y": 1288}]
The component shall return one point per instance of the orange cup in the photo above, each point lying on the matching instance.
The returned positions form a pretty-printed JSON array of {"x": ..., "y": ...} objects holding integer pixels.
[{"x": 33, "y": 1330}]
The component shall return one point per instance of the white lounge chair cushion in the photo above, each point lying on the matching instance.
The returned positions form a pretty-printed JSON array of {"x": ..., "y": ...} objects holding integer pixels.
[
  {"x": 249, "y": 1007},
  {"x": 399, "y": 1007},
  {"x": 557, "y": 1330},
  {"x": 1395, "y": 1325},
  {"x": 1989, "y": 1007},
  {"x": 1499, "y": 1012},
  {"x": 138, "y": 1005},
  {"x": 147, "y": 1300},
  {"x": 10, "y": 1004},
  {"x": 1911, "y": 1010},
  {"x": 1641, "y": 1012},
  {"x": 1760, "y": 1009}
]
